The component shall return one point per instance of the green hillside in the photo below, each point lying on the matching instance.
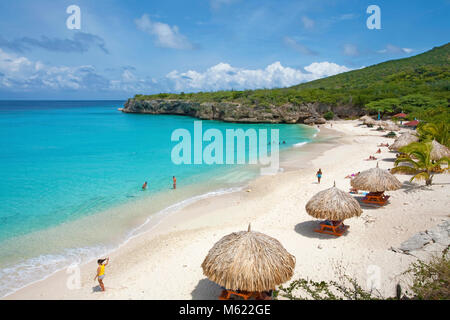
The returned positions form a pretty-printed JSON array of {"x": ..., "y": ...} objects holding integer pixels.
[{"x": 418, "y": 85}]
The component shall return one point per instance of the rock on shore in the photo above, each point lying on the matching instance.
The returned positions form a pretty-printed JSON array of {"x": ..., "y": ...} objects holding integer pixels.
[
  {"x": 427, "y": 243},
  {"x": 308, "y": 113}
]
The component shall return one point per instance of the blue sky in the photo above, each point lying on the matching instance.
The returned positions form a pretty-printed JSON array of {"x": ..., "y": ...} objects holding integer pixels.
[{"x": 129, "y": 47}]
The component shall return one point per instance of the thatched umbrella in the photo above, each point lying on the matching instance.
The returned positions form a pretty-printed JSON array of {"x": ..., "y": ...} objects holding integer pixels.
[
  {"x": 333, "y": 204},
  {"x": 364, "y": 118},
  {"x": 390, "y": 126},
  {"x": 375, "y": 180},
  {"x": 370, "y": 122},
  {"x": 403, "y": 140},
  {"x": 248, "y": 261},
  {"x": 439, "y": 151}
]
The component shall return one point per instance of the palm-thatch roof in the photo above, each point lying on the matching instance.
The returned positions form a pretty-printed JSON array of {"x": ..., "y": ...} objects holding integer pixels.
[
  {"x": 375, "y": 180},
  {"x": 439, "y": 151},
  {"x": 370, "y": 121},
  {"x": 333, "y": 204},
  {"x": 403, "y": 140},
  {"x": 390, "y": 126},
  {"x": 248, "y": 261}
]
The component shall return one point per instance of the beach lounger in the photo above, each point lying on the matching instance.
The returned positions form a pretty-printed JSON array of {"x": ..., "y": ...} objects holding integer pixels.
[
  {"x": 226, "y": 294},
  {"x": 335, "y": 230},
  {"x": 377, "y": 198}
]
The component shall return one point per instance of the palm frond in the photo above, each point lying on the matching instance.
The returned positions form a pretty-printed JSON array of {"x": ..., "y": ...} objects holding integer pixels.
[
  {"x": 404, "y": 169},
  {"x": 421, "y": 176}
]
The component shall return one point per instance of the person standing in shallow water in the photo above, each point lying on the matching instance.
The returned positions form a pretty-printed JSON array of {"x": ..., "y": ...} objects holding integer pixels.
[
  {"x": 174, "y": 182},
  {"x": 319, "y": 175},
  {"x": 144, "y": 186},
  {"x": 101, "y": 272}
]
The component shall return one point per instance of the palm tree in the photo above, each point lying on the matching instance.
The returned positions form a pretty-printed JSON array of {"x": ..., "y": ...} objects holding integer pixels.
[
  {"x": 417, "y": 155},
  {"x": 435, "y": 131}
]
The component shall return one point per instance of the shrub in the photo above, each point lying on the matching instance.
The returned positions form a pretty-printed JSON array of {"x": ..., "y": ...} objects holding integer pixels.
[
  {"x": 430, "y": 281},
  {"x": 329, "y": 115}
]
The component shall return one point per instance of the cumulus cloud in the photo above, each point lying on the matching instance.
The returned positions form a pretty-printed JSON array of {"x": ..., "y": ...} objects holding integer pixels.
[
  {"x": 325, "y": 69},
  {"x": 18, "y": 73},
  {"x": 166, "y": 36},
  {"x": 225, "y": 77},
  {"x": 391, "y": 49},
  {"x": 299, "y": 47},
  {"x": 22, "y": 74},
  {"x": 80, "y": 42}
]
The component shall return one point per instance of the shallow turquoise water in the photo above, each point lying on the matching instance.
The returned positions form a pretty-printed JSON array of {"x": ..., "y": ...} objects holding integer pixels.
[{"x": 61, "y": 161}]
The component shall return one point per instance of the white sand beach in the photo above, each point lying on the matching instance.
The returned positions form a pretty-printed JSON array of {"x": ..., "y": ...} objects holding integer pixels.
[{"x": 165, "y": 262}]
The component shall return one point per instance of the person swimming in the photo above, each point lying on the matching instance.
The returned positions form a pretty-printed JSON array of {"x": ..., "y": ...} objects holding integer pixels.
[
  {"x": 144, "y": 186},
  {"x": 101, "y": 272}
]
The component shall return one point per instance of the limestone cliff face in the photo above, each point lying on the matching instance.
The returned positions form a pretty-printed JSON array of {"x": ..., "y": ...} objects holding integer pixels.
[{"x": 231, "y": 112}]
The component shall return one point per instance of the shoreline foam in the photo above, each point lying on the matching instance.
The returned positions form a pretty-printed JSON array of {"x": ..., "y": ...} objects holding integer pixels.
[
  {"x": 44, "y": 266},
  {"x": 165, "y": 263}
]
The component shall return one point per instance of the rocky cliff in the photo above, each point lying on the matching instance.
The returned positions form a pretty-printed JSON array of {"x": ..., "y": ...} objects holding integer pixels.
[{"x": 233, "y": 112}]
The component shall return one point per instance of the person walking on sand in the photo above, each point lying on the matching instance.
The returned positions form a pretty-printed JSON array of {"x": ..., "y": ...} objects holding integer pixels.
[
  {"x": 101, "y": 272},
  {"x": 144, "y": 186},
  {"x": 319, "y": 175},
  {"x": 174, "y": 182}
]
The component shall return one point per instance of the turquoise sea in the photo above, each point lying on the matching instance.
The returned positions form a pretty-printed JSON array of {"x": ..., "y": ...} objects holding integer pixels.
[{"x": 71, "y": 174}]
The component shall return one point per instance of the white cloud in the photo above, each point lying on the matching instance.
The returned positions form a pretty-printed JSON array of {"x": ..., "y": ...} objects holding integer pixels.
[
  {"x": 351, "y": 50},
  {"x": 12, "y": 64},
  {"x": 225, "y": 77},
  {"x": 391, "y": 49},
  {"x": 347, "y": 16},
  {"x": 325, "y": 69},
  {"x": 299, "y": 47},
  {"x": 216, "y": 4},
  {"x": 307, "y": 22},
  {"x": 21, "y": 74},
  {"x": 166, "y": 36}
]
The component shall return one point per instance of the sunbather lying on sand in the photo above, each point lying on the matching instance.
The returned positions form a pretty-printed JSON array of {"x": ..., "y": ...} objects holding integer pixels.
[
  {"x": 350, "y": 176},
  {"x": 371, "y": 158}
]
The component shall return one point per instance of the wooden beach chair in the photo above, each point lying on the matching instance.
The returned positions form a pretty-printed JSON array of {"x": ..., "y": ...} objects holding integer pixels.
[
  {"x": 337, "y": 229},
  {"x": 354, "y": 191},
  {"x": 377, "y": 198},
  {"x": 226, "y": 294}
]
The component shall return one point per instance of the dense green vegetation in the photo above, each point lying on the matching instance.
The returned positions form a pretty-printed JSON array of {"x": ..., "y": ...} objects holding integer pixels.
[
  {"x": 329, "y": 115},
  {"x": 417, "y": 85}
]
